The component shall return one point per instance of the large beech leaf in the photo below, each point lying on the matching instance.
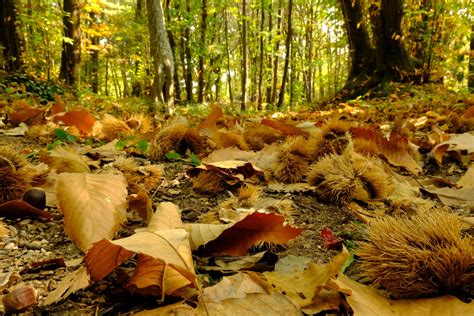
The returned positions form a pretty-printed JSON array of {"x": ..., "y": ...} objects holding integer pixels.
[
  {"x": 94, "y": 206},
  {"x": 461, "y": 144},
  {"x": 164, "y": 263},
  {"x": 286, "y": 129},
  {"x": 237, "y": 239}
]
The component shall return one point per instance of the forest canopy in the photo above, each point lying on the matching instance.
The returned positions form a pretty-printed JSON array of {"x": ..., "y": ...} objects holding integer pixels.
[{"x": 246, "y": 53}]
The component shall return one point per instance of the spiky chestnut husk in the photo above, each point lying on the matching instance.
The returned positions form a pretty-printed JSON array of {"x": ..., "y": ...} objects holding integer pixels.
[
  {"x": 208, "y": 182},
  {"x": 418, "y": 256},
  {"x": 13, "y": 183},
  {"x": 365, "y": 147},
  {"x": 290, "y": 168},
  {"x": 257, "y": 135},
  {"x": 113, "y": 128},
  {"x": 341, "y": 178},
  {"x": 179, "y": 138},
  {"x": 10, "y": 154}
]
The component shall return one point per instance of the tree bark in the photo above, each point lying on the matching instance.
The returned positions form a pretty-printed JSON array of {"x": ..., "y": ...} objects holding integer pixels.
[
  {"x": 244, "y": 56},
  {"x": 163, "y": 63},
  {"x": 287, "y": 57},
  {"x": 94, "y": 57},
  {"x": 260, "y": 69},
  {"x": 9, "y": 39},
  {"x": 393, "y": 61},
  {"x": 71, "y": 51},
  {"x": 229, "y": 77},
  {"x": 202, "y": 55},
  {"x": 361, "y": 52},
  {"x": 471, "y": 62}
]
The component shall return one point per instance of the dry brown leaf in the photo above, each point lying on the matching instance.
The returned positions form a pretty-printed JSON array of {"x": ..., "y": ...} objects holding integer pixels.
[
  {"x": 141, "y": 204},
  {"x": 24, "y": 112},
  {"x": 164, "y": 263},
  {"x": 81, "y": 118},
  {"x": 310, "y": 289},
  {"x": 94, "y": 206},
  {"x": 395, "y": 149},
  {"x": 211, "y": 120},
  {"x": 287, "y": 129},
  {"x": 65, "y": 159},
  {"x": 71, "y": 283},
  {"x": 234, "y": 286},
  {"x": 20, "y": 209},
  {"x": 229, "y": 153},
  {"x": 180, "y": 308},
  {"x": 366, "y": 300},
  {"x": 201, "y": 234},
  {"x": 238, "y": 238},
  {"x": 461, "y": 144}
]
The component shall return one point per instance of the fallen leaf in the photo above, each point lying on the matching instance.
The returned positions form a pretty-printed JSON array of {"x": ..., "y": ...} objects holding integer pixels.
[
  {"x": 460, "y": 144},
  {"x": 229, "y": 153},
  {"x": 24, "y": 112},
  {"x": 20, "y": 130},
  {"x": 71, "y": 283},
  {"x": 94, "y": 206},
  {"x": 80, "y": 118},
  {"x": 286, "y": 129},
  {"x": 234, "y": 286},
  {"x": 330, "y": 241},
  {"x": 256, "y": 227},
  {"x": 20, "y": 209},
  {"x": 211, "y": 120},
  {"x": 65, "y": 159},
  {"x": 366, "y": 300},
  {"x": 201, "y": 234},
  {"x": 310, "y": 289},
  {"x": 394, "y": 149},
  {"x": 164, "y": 264},
  {"x": 141, "y": 204}
]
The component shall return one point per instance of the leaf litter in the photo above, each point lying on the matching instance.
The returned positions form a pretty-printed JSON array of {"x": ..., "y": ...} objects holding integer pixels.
[{"x": 139, "y": 261}]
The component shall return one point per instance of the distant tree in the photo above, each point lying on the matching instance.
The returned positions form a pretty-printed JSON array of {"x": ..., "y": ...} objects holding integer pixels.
[
  {"x": 71, "y": 51},
  {"x": 471, "y": 62},
  {"x": 287, "y": 55},
  {"x": 9, "y": 40},
  {"x": 163, "y": 63}
]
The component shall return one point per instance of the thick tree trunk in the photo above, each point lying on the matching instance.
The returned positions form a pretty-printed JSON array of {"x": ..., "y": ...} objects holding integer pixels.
[
  {"x": 9, "y": 39},
  {"x": 71, "y": 51},
  {"x": 163, "y": 63},
  {"x": 362, "y": 54},
  {"x": 393, "y": 61},
  {"x": 287, "y": 55}
]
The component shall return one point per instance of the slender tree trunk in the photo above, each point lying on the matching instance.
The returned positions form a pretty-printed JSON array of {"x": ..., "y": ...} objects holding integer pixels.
[
  {"x": 261, "y": 58},
  {"x": 163, "y": 63},
  {"x": 94, "y": 58},
  {"x": 187, "y": 63},
  {"x": 244, "y": 56},
  {"x": 202, "y": 55},
  {"x": 471, "y": 62},
  {"x": 71, "y": 52},
  {"x": 9, "y": 39},
  {"x": 107, "y": 75},
  {"x": 287, "y": 56},
  {"x": 275, "y": 58},
  {"x": 177, "y": 87},
  {"x": 137, "y": 88},
  {"x": 229, "y": 76}
]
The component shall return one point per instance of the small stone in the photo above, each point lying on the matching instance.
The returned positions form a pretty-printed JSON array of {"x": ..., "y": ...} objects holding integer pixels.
[{"x": 25, "y": 222}]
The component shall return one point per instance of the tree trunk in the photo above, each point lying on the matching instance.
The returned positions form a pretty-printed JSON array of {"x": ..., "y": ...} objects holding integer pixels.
[
  {"x": 393, "y": 61},
  {"x": 261, "y": 60},
  {"x": 287, "y": 57},
  {"x": 94, "y": 57},
  {"x": 244, "y": 56},
  {"x": 71, "y": 51},
  {"x": 361, "y": 52},
  {"x": 9, "y": 39},
  {"x": 471, "y": 62},
  {"x": 229, "y": 77},
  {"x": 177, "y": 87},
  {"x": 202, "y": 55},
  {"x": 163, "y": 63},
  {"x": 137, "y": 87},
  {"x": 187, "y": 58},
  {"x": 275, "y": 59}
]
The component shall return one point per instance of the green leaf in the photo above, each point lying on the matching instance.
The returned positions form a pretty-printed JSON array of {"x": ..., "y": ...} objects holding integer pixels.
[
  {"x": 194, "y": 160},
  {"x": 174, "y": 156},
  {"x": 64, "y": 136},
  {"x": 347, "y": 263},
  {"x": 142, "y": 145},
  {"x": 120, "y": 145}
]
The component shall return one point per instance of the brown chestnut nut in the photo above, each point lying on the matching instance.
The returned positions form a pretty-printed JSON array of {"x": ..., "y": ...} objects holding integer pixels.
[{"x": 35, "y": 197}]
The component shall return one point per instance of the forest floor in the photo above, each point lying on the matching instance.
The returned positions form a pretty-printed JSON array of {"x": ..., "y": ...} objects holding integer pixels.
[{"x": 38, "y": 252}]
